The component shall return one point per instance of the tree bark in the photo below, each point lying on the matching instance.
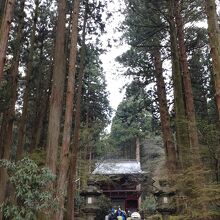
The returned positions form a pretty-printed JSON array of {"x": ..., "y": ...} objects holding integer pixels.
[
  {"x": 4, "y": 32},
  {"x": 64, "y": 157},
  {"x": 56, "y": 98},
  {"x": 6, "y": 135},
  {"x": 190, "y": 109},
  {"x": 75, "y": 143},
  {"x": 164, "y": 114},
  {"x": 2, "y": 8},
  {"x": 23, "y": 119},
  {"x": 137, "y": 151},
  {"x": 182, "y": 135},
  {"x": 214, "y": 42}
]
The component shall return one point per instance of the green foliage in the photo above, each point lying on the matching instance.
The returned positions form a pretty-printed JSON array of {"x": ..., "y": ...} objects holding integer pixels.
[
  {"x": 79, "y": 201},
  {"x": 197, "y": 199},
  {"x": 96, "y": 110},
  {"x": 4, "y": 95},
  {"x": 210, "y": 148},
  {"x": 103, "y": 147},
  {"x": 143, "y": 23},
  {"x": 156, "y": 217},
  {"x": 105, "y": 206},
  {"x": 29, "y": 183},
  {"x": 95, "y": 104},
  {"x": 174, "y": 218},
  {"x": 148, "y": 205},
  {"x": 38, "y": 156},
  {"x": 138, "y": 64},
  {"x": 132, "y": 120},
  {"x": 199, "y": 65}
]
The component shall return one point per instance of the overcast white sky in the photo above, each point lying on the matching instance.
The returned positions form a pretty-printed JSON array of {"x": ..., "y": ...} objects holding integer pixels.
[{"x": 113, "y": 69}]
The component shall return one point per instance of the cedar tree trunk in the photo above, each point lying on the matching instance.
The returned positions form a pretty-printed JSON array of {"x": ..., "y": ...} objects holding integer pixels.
[
  {"x": 190, "y": 109},
  {"x": 4, "y": 32},
  {"x": 214, "y": 41},
  {"x": 6, "y": 135},
  {"x": 182, "y": 134},
  {"x": 164, "y": 114},
  {"x": 64, "y": 157},
  {"x": 194, "y": 154},
  {"x": 57, "y": 89},
  {"x": 75, "y": 143}
]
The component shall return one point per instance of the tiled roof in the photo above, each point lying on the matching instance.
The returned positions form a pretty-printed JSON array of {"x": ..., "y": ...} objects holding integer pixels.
[{"x": 112, "y": 167}]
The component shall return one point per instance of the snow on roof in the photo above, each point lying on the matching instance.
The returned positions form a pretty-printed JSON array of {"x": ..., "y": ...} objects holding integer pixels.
[{"x": 118, "y": 167}]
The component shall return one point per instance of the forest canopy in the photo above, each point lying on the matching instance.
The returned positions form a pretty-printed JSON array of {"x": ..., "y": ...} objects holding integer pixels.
[{"x": 55, "y": 107}]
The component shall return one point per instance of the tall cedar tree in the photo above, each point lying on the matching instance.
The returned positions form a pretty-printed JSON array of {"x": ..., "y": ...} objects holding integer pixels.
[
  {"x": 187, "y": 86},
  {"x": 4, "y": 31},
  {"x": 214, "y": 41},
  {"x": 182, "y": 135},
  {"x": 23, "y": 119},
  {"x": 75, "y": 142},
  {"x": 6, "y": 134},
  {"x": 193, "y": 155},
  {"x": 64, "y": 156},
  {"x": 152, "y": 25},
  {"x": 164, "y": 113},
  {"x": 57, "y": 89}
]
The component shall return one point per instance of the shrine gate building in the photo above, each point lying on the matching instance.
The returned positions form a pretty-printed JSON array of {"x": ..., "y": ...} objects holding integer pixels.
[{"x": 120, "y": 181}]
